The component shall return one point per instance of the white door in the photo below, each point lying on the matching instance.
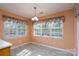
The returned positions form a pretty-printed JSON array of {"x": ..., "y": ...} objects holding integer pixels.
[{"x": 78, "y": 35}]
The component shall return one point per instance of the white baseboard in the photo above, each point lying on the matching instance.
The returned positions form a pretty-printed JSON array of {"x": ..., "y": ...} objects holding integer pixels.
[
  {"x": 19, "y": 45},
  {"x": 54, "y": 47}
]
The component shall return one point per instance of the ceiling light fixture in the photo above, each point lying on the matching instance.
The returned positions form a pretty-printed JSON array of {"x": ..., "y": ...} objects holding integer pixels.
[{"x": 35, "y": 18}]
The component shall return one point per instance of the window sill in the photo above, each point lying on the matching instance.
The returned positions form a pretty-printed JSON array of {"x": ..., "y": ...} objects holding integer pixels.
[
  {"x": 57, "y": 38},
  {"x": 13, "y": 37}
]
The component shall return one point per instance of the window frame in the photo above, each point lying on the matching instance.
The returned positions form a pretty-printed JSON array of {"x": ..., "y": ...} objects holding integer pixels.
[
  {"x": 50, "y": 35},
  {"x": 16, "y": 29}
]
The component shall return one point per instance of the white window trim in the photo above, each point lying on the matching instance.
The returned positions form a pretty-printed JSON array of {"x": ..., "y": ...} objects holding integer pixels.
[
  {"x": 15, "y": 36},
  {"x": 50, "y": 34},
  {"x": 53, "y": 37}
]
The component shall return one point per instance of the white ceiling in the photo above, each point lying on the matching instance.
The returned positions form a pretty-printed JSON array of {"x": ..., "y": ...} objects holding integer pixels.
[{"x": 26, "y": 9}]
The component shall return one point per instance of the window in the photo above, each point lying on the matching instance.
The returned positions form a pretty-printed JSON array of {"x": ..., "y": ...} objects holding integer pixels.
[
  {"x": 14, "y": 28},
  {"x": 37, "y": 29},
  {"x": 52, "y": 28},
  {"x": 57, "y": 29},
  {"x": 46, "y": 29}
]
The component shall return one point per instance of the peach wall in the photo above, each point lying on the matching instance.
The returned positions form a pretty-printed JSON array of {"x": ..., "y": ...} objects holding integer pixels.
[
  {"x": 1, "y": 27},
  {"x": 16, "y": 40},
  {"x": 69, "y": 40}
]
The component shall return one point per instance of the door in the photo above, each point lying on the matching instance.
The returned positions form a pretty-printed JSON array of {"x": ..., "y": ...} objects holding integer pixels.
[{"x": 78, "y": 35}]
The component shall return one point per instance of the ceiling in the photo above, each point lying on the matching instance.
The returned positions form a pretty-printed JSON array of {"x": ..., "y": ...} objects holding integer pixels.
[{"x": 26, "y": 9}]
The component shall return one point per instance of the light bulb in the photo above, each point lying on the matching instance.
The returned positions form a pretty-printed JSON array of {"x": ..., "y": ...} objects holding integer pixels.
[
  {"x": 33, "y": 19},
  {"x": 36, "y": 18}
]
